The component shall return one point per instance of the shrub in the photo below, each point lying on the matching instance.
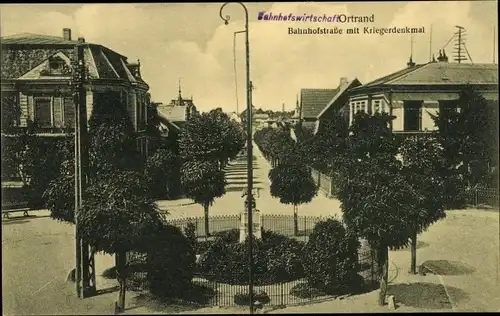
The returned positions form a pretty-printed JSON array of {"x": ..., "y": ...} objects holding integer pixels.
[
  {"x": 203, "y": 246},
  {"x": 304, "y": 290},
  {"x": 190, "y": 233},
  {"x": 258, "y": 295},
  {"x": 330, "y": 257},
  {"x": 171, "y": 263},
  {"x": 276, "y": 259}
]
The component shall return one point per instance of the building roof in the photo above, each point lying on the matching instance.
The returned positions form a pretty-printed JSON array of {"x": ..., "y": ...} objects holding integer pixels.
[
  {"x": 101, "y": 62},
  {"x": 35, "y": 39},
  {"x": 173, "y": 113},
  {"x": 313, "y": 101},
  {"x": 440, "y": 73},
  {"x": 260, "y": 116},
  {"x": 340, "y": 91},
  {"x": 167, "y": 123}
]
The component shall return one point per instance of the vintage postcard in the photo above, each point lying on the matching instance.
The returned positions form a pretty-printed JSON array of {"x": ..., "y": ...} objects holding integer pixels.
[{"x": 277, "y": 157}]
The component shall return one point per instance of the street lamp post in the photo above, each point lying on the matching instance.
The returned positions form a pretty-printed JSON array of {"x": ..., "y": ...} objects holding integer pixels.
[
  {"x": 235, "y": 74},
  {"x": 249, "y": 151}
]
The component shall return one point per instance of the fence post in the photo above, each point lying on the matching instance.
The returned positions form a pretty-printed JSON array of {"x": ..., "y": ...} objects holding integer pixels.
[{"x": 282, "y": 294}]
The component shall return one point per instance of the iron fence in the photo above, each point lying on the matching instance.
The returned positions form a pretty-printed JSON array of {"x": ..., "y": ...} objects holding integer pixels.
[
  {"x": 483, "y": 197},
  {"x": 208, "y": 292},
  {"x": 282, "y": 224}
]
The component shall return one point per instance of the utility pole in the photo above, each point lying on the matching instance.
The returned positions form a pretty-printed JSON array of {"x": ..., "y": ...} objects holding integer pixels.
[
  {"x": 85, "y": 262},
  {"x": 78, "y": 246}
]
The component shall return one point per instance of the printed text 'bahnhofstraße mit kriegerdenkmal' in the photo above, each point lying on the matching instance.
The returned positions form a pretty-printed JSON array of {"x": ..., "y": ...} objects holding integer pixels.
[{"x": 333, "y": 18}]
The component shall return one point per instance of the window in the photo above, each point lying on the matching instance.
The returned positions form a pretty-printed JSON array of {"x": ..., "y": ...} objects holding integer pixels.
[
  {"x": 376, "y": 106},
  {"x": 448, "y": 106},
  {"x": 412, "y": 115},
  {"x": 43, "y": 112}
]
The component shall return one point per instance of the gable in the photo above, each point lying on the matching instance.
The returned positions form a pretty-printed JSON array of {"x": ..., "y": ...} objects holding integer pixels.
[
  {"x": 313, "y": 101},
  {"x": 45, "y": 70}
]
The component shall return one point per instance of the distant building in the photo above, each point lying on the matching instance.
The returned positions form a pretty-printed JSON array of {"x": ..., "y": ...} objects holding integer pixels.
[
  {"x": 179, "y": 110},
  {"x": 416, "y": 92}
]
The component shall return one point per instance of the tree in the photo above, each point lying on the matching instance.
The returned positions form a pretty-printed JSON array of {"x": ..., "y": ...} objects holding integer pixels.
[
  {"x": 118, "y": 215},
  {"x": 162, "y": 172},
  {"x": 11, "y": 113},
  {"x": 203, "y": 182},
  {"x": 330, "y": 257},
  {"x": 292, "y": 184},
  {"x": 376, "y": 199},
  {"x": 469, "y": 137},
  {"x": 19, "y": 154},
  {"x": 112, "y": 139},
  {"x": 423, "y": 166}
]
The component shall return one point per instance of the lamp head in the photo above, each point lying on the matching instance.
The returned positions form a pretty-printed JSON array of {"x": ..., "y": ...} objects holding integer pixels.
[{"x": 226, "y": 22}]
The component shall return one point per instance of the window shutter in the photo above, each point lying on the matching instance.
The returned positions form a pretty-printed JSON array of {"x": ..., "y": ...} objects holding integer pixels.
[
  {"x": 58, "y": 112},
  {"x": 69, "y": 112}
]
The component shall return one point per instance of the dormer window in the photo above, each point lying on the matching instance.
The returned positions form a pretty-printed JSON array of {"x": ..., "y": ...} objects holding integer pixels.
[{"x": 56, "y": 66}]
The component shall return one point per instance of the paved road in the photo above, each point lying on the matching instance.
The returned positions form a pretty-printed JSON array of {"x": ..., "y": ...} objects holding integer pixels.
[{"x": 37, "y": 253}]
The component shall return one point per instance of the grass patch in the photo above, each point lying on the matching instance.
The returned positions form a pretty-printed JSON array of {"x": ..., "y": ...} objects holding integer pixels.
[
  {"x": 445, "y": 267},
  {"x": 425, "y": 295}
]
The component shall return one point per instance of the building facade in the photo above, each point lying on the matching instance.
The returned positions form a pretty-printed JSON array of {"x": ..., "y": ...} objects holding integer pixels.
[
  {"x": 416, "y": 93},
  {"x": 36, "y": 75}
]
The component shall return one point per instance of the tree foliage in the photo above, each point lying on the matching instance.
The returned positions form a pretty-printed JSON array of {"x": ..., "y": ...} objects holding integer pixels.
[
  {"x": 202, "y": 181},
  {"x": 469, "y": 137},
  {"x": 322, "y": 151},
  {"x": 423, "y": 167},
  {"x": 211, "y": 136},
  {"x": 162, "y": 173},
  {"x": 424, "y": 170},
  {"x": 330, "y": 257},
  {"x": 277, "y": 145},
  {"x": 376, "y": 198},
  {"x": 112, "y": 139},
  {"x": 292, "y": 184},
  {"x": 171, "y": 263},
  {"x": 118, "y": 214}
]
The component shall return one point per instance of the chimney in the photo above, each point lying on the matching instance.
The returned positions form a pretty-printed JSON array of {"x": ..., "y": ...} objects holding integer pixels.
[
  {"x": 343, "y": 81},
  {"x": 67, "y": 34},
  {"x": 81, "y": 40},
  {"x": 442, "y": 58}
]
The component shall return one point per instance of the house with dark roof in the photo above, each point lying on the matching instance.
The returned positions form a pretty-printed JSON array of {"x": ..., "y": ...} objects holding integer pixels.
[
  {"x": 311, "y": 103},
  {"x": 413, "y": 94},
  {"x": 36, "y": 75}
]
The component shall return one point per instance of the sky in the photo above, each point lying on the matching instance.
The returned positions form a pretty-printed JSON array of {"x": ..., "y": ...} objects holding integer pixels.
[{"x": 190, "y": 42}]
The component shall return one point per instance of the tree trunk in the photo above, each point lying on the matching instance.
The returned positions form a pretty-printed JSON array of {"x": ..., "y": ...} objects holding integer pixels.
[
  {"x": 413, "y": 265},
  {"x": 295, "y": 220},
  {"x": 121, "y": 267},
  {"x": 383, "y": 269},
  {"x": 207, "y": 231}
]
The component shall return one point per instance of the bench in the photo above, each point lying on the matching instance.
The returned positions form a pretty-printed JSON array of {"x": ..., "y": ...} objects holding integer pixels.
[{"x": 15, "y": 208}]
